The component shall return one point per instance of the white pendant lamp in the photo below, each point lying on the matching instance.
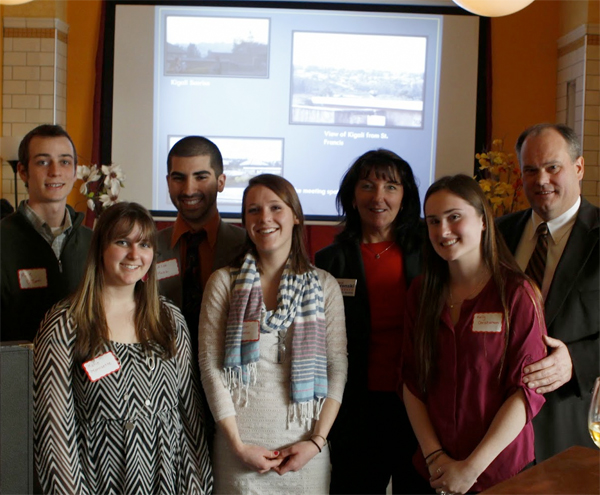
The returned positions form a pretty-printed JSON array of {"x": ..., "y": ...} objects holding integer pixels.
[
  {"x": 493, "y": 8},
  {"x": 13, "y": 2}
]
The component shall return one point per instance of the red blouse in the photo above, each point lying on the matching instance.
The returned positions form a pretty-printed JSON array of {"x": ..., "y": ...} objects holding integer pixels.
[
  {"x": 386, "y": 287},
  {"x": 467, "y": 392}
]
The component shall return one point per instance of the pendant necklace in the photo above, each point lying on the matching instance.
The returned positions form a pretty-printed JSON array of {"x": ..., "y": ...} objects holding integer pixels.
[{"x": 378, "y": 255}]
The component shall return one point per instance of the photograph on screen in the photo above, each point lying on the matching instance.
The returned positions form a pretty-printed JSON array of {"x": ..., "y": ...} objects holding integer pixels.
[
  {"x": 384, "y": 85},
  {"x": 358, "y": 80},
  {"x": 216, "y": 46},
  {"x": 244, "y": 158}
]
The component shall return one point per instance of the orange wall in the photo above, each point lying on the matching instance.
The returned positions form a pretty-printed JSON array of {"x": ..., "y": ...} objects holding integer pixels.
[
  {"x": 84, "y": 27},
  {"x": 524, "y": 64}
]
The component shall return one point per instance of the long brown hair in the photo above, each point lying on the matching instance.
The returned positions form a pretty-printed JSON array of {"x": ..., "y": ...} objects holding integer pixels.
[
  {"x": 286, "y": 192},
  {"x": 153, "y": 324},
  {"x": 497, "y": 258}
]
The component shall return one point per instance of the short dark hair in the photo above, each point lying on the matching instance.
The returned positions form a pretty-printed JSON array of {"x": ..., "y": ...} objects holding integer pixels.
[
  {"x": 568, "y": 134},
  {"x": 390, "y": 166},
  {"x": 197, "y": 146},
  {"x": 45, "y": 131}
]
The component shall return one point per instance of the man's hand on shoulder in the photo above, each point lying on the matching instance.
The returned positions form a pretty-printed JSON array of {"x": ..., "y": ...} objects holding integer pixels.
[{"x": 551, "y": 372}]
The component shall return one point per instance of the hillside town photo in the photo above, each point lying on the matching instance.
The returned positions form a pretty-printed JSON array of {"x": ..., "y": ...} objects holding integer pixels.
[{"x": 358, "y": 80}]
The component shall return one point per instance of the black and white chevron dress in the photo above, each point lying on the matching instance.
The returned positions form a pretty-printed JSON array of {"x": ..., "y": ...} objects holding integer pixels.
[{"x": 138, "y": 430}]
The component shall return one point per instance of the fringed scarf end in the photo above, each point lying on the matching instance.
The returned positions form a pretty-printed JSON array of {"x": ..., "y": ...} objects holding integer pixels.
[
  {"x": 238, "y": 379},
  {"x": 304, "y": 412}
]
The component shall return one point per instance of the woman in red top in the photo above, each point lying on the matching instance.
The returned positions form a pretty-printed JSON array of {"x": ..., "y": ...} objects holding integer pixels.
[
  {"x": 375, "y": 258},
  {"x": 473, "y": 322}
]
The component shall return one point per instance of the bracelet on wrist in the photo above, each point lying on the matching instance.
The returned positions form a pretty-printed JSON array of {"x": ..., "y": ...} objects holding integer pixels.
[
  {"x": 434, "y": 456},
  {"x": 316, "y": 444},
  {"x": 320, "y": 436},
  {"x": 434, "y": 452}
]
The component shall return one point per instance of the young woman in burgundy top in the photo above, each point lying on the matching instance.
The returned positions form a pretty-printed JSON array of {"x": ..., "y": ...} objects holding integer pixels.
[
  {"x": 473, "y": 322},
  {"x": 374, "y": 258}
]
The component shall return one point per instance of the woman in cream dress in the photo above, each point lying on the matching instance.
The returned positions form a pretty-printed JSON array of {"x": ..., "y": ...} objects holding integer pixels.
[{"x": 272, "y": 353}]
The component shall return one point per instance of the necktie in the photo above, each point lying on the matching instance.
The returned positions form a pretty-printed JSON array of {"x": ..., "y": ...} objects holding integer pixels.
[
  {"x": 537, "y": 263},
  {"x": 192, "y": 285}
]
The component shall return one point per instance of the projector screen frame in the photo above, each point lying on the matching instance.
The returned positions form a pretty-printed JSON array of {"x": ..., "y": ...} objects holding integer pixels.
[{"x": 105, "y": 130}]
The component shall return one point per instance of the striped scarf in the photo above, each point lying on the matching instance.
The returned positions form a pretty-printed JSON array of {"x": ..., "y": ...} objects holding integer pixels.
[{"x": 299, "y": 301}]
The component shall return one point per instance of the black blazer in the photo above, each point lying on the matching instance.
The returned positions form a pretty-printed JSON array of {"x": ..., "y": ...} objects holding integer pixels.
[{"x": 572, "y": 315}]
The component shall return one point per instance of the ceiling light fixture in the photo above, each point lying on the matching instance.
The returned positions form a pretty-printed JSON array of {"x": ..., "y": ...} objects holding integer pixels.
[
  {"x": 493, "y": 8},
  {"x": 13, "y": 2}
]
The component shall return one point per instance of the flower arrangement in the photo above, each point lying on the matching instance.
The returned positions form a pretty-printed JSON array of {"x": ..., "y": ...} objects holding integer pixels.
[
  {"x": 501, "y": 179},
  {"x": 100, "y": 185}
]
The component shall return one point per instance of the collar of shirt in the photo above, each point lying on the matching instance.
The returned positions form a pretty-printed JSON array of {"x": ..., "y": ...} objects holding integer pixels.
[
  {"x": 557, "y": 227},
  {"x": 40, "y": 225},
  {"x": 211, "y": 227}
]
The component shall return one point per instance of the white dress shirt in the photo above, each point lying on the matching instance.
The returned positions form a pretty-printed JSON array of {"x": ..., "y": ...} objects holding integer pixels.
[{"x": 559, "y": 230}]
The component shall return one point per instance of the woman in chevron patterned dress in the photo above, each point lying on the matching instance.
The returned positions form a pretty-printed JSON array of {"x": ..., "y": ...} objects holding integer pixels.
[
  {"x": 273, "y": 356},
  {"x": 116, "y": 404}
]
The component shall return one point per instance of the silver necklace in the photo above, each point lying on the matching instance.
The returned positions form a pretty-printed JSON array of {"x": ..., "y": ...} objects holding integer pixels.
[{"x": 378, "y": 255}]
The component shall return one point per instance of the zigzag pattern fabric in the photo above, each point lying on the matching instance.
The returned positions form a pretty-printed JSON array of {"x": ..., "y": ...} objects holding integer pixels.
[
  {"x": 138, "y": 430},
  {"x": 537, "y": 263},
  {"x": 300, "y": 301}
]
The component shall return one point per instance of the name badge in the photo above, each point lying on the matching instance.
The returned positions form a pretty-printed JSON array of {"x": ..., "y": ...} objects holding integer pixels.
[
  {"x": 101, "y": 366},
  {"x": 348, "y": 286},
  {"x": 167, "y": 269},
  {"x": 487, "y": 322},
  {"x": 33, "y": 278},
  {"x": 250, "y": 331}
]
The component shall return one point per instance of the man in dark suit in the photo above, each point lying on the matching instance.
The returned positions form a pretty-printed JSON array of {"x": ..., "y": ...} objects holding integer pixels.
[
  {"x": 553, "y": 167},
  {"x": 199, "y": 242}
]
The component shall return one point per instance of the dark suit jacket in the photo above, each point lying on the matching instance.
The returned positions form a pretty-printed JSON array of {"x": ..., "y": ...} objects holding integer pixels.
[
  {"x": 344, "y": 260},
  {"x": 230, "y": 239},
  {"x": 572, "y": 310}
]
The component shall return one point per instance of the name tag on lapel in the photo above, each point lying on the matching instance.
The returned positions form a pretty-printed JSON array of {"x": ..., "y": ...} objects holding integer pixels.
[
  {"x": 167, "y": 269},
  {"x": 33, "y": 278},
  {"x": 348, "y": 286}
]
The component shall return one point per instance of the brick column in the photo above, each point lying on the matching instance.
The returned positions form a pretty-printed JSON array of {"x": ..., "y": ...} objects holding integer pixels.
[
  {"x": 35, "y": 81},
  {"x": 578, "y": 98}
]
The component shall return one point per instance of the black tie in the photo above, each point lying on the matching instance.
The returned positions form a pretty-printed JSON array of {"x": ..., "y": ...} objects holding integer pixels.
[
  {"x": 192, "y": 285},
  {"x": 537, "y": 263}
]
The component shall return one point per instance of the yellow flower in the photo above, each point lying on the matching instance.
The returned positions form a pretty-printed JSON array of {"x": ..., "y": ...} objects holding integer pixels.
[
  {"x": 500, "y": 179},
  {"x": 485, "y": 185}
]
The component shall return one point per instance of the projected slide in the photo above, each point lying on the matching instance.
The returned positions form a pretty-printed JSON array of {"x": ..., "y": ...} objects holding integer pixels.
[
  {"x": 351, "y": 80},
  {"x": 217, "y": 46},
  {"x": 298, "y": 93}
]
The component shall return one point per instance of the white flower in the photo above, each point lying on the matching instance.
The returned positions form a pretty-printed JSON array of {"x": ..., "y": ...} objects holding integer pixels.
[
  {"x": 113, "y": 187},
  {"x": 90, "y": 204},
  {"x": 88, "y": 174},
  {"x": 113, "y": 173},
  {"x": 108, "y": 200},
  {"x": 83, "y": 172}
]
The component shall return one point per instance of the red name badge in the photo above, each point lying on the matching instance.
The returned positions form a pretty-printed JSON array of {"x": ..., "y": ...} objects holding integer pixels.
[{"x": 101, "y": 366}]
